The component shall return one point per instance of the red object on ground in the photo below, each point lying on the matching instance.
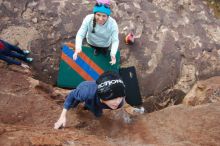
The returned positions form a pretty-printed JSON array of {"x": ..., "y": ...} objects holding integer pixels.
[
  {"x": 129, "y": 39},
  {"x": 1, "y": 45}
]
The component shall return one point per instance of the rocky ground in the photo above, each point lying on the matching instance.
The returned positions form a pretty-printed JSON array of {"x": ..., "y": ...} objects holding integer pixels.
[
  {"x": 29, "y": 109},
  {"x": 176, "y": 51}
]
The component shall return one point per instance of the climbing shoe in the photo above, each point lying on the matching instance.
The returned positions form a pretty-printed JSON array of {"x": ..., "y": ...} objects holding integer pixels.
[
  {"x": 29, "y": 59},
  {"x": 26, "y": 52}
]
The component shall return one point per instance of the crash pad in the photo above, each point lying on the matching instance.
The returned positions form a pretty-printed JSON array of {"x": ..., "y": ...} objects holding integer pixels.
[
  {"x": 86, "y": 67},
  {"x": 133, "y": 96}
]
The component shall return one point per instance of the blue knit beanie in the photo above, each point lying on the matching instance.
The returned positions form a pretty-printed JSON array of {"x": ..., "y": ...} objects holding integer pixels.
[{"x": 102, "y": 9}]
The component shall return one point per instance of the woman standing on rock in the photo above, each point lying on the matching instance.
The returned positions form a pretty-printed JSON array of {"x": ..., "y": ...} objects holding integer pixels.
[{"x": 100, "y": 30}]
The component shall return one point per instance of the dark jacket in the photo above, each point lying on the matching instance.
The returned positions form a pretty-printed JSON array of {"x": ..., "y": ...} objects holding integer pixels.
[{"x": 86, "y": 92}]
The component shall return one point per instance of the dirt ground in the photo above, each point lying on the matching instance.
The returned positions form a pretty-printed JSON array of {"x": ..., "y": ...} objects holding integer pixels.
[
  {"x": 28, "y": 111},
  {"x": 28, "y": 114}
]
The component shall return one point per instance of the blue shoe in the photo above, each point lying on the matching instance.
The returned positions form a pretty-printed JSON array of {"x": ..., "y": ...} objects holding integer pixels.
[
  {"x": 26, "y": 52},
  {"x": 30, "y": 59}
]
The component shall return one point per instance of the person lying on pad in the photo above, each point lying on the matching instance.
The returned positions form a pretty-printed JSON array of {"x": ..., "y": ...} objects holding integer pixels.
[
  {"x": 100, "y": 30},
  {"x": 107, "y": 92},
  {"x": 9, "y": 52}
]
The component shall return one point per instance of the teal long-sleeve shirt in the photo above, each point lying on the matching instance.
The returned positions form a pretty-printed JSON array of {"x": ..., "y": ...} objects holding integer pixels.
[{"x": 105, "y": 35}]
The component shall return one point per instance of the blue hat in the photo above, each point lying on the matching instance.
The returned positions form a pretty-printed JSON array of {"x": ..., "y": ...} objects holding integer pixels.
[{"x": 102, "y": 9}]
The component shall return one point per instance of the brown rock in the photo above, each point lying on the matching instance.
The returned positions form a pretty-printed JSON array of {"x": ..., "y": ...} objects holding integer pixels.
[{"x": 206, "y": 91}]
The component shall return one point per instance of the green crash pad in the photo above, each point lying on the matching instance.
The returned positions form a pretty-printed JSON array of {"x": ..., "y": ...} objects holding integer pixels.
[{"x": 86, "y": 67}]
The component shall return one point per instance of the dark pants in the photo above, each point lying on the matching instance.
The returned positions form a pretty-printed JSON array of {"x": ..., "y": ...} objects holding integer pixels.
[
  {"x": 10, "y": 51},
  {"x": 103, "y": 50}
]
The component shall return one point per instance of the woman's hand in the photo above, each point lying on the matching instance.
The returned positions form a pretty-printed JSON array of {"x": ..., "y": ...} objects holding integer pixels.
[
  {"x": 61, "y": 121},
  {"x": 113, "y": 60},
  {"x": 77, "y": 51},
  {"x": 75, "y": 56}
]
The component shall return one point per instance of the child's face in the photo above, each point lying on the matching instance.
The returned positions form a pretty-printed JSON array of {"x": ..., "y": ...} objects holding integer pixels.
[
  {"x": 101, "y": 18},
  {"x": 113, "y": 103}
]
